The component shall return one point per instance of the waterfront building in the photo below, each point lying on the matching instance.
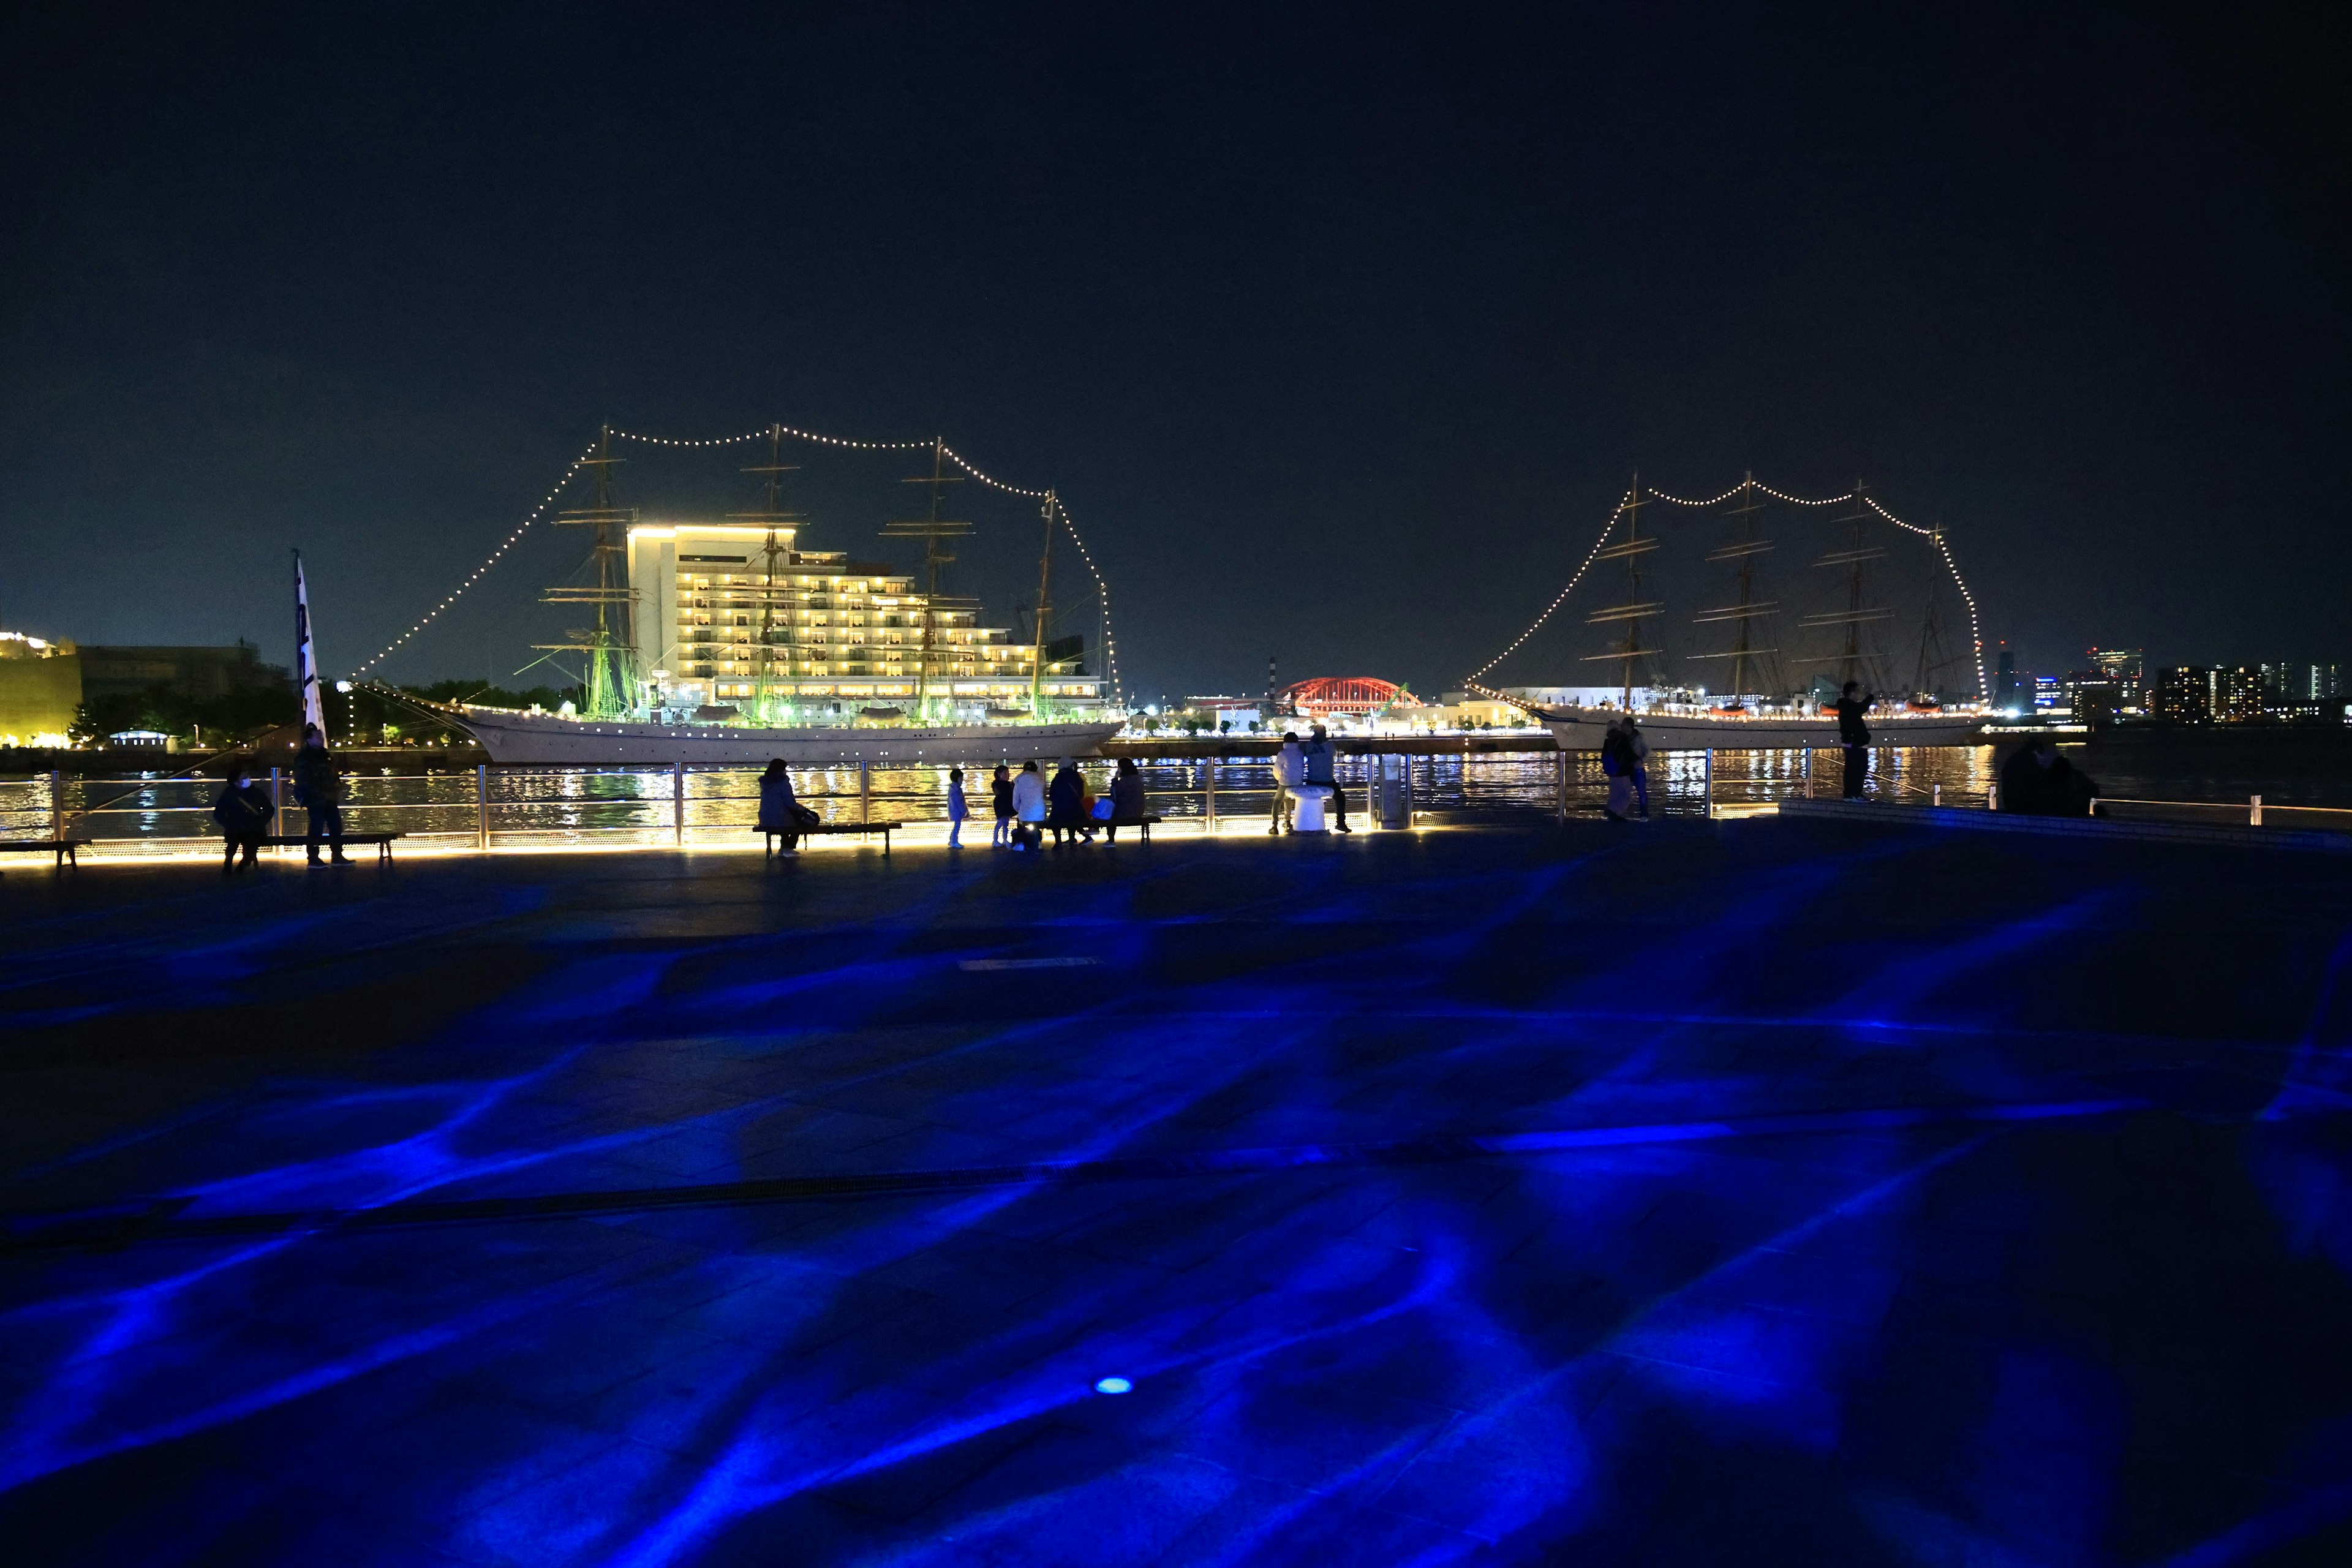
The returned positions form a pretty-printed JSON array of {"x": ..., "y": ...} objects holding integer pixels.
[
  {"x": 2128, "y": 667},
  {"x": 727, "y": 615},
  {"x": 128, "y": 669},
  {"x": 2093, "y": 697},
  {"x": 40, "y": 690}
]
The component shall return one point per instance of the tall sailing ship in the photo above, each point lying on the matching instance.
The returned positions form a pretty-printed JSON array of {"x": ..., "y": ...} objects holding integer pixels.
[
  {"x": 727, "y": 642},
  {"x": 1773, "y": 672}
]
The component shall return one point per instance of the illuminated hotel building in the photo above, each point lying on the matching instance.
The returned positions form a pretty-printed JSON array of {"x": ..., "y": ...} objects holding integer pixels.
[{"x": 718, "y": 620}]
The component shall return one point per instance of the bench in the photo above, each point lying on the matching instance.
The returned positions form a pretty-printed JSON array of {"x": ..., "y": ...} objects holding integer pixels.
[
  {"x": 63, "y": 848},
  {"x": 382, "y": 842},
  {"x": 883, "y": 828}
]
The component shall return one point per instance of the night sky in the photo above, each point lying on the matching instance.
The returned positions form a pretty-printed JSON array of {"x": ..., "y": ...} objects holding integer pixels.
[{"x": 1340, "y": 330}]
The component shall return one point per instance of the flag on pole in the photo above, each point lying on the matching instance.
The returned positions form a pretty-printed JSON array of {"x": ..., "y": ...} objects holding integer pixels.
[{"x": 305, "y": 654}]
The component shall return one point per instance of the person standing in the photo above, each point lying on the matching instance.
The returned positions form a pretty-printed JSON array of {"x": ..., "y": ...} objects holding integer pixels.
[
  {"x": 957, "y": 809},
  {"x": 244, "y": 811},
  {"x": 1289, "y": 773},
  {"x": 1000, "y": 800},
  {"x": 1029, "y": 808},
  {"x": 1617, "y": 765},
  {"x": 318, "y": 789},
  {"x": 1637, "y": 758},
  {"x": 1322, "y": 769},
  {"x": 1127, "y": 804},
  {"x": 1853, "y": 735}
]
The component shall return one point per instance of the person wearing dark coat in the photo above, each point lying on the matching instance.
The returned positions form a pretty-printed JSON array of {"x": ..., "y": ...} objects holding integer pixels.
[
  {"x": 2035, "y": 781},
  {"x": 318, "y": 789},
  {"x": 781, "y": 812},
  {"x": 1127, "y": 804},
  {"x": 1067, "y": 805},
  {"x": 244, "y": 811},
  {"x": 1854, "y": 736}
]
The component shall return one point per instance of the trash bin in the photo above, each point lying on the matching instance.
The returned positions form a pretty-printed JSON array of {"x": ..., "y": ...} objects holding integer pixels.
[
  {"x": 1308, "y": 807},
  {"x": 1392, "y": 793}
]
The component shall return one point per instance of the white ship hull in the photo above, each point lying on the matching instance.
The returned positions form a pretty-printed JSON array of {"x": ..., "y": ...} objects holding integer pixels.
[
  {"x": 545, "y": 739},
  {"x": 1582, "y": 729}
]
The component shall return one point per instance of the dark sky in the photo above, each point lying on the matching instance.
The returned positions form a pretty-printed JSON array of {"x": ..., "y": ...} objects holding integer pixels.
[{"x": 1340, "y": 329}]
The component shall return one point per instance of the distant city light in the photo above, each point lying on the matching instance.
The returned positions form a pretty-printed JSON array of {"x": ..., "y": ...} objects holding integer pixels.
[{"x": 344, "y": 687}]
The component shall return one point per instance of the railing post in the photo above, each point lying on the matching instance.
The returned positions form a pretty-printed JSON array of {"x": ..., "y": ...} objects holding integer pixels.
[
  {"x": 57, "y": 803},
  {"x": 865, "y": 793},
  {"x": 1993, "y": 795},
  {"x": 1209, "y": 798},
  {"x": 1936, "y": 795},
  {"x": 481, "y": 805},
  {"x": 1709, "y": 765},
  {"x": 2094, "y": 810},
  {"x": 678, "y": 803},
  {"x": 1560, "y": 782},
  {"x": 276, "y": 803},
  {"x": 1809, "y": 769},
  {"x": 2254, "y": 812}
]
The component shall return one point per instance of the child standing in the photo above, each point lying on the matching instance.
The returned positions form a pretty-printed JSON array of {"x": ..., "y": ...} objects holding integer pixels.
[
  {"x": 1001, "y": 790},
  {"x": 957, "y": 809}
]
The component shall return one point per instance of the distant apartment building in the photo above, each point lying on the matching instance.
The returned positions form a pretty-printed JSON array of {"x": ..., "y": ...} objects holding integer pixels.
[
  {"x": 2210, "y": 694},
  {"x": 2294, "y": 684}
]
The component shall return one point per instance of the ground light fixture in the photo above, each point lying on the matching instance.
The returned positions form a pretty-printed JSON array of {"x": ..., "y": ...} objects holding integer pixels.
[{"x": 1112, "y": 1385}]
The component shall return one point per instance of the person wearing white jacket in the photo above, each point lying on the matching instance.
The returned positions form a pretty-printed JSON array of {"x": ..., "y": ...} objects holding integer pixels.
[
  {"x": 1290, "y": 771},
  {"x": 1028, "y": 805}
]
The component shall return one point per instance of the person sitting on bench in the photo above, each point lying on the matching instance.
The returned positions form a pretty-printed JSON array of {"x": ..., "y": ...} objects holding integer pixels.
[
  {"x": 781, "y": 812},
  {"x": 244, "y": 811}
]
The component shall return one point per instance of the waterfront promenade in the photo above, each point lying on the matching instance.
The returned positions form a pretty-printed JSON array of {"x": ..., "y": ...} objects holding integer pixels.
[{"x": 1738, "y": 1192}]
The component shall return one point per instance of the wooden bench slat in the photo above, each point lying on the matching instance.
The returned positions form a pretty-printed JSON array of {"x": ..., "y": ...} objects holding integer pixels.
[{"x": 883, "y": 828}]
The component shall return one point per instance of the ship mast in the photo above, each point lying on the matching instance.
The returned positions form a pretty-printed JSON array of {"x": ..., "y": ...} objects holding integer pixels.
[
  {"x": 1631, "y": 613},
  {"x": 1744, "y": 655},
  {"x": 1850, "y": 658},
  {"x": 932, "y": 529},
  {"x": 772, "y": 513},
  {"x": 1044, "y": 605},
  {"x": 608, "y": 683}
]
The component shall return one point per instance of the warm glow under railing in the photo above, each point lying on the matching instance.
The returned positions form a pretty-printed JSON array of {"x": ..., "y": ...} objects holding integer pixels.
[{"x": 524, "y": 807}]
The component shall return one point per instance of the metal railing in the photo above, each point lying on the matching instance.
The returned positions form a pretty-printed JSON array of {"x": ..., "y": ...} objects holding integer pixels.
[{"x": 678, "y": 806}]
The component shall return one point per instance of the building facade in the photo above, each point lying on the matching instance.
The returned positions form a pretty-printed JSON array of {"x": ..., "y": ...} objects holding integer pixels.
[
  {"x": 726, "y": 615},
  {"x": 120, "y": 670},
  {"x": 40, "y": 690}
]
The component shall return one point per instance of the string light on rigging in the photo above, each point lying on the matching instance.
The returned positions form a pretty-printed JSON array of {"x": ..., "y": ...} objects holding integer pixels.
[{"x": 1934, "y": 536}]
